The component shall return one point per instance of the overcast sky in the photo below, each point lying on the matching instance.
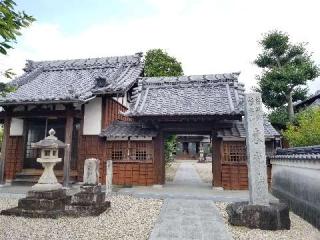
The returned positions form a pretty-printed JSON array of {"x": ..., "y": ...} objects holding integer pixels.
[{"x": 207, "y": 36}]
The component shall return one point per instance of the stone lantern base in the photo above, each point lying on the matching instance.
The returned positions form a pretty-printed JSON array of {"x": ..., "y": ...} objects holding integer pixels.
[
  {"x": 272, "y": 217},
  {"x": 43, "y": 204}
]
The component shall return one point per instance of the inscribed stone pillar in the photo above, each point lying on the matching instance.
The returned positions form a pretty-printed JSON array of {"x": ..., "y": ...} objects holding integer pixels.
[
  {"x": 91, "y": 171},
  {"x": 109, "y": 177},
  {"x": 256, "y": 153}
]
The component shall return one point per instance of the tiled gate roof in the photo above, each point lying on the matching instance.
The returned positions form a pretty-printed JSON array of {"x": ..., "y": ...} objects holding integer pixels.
[
  {"x": 215, "y": 94},
  {"x": 238, "y": 130}
]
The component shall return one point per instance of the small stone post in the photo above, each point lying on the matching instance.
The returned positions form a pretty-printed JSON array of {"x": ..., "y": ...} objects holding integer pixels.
[
  {"x": 256, "y": 152},
  {"x": 109, "y": 176}
]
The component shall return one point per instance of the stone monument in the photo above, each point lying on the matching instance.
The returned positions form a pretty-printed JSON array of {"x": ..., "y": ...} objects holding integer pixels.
[
  {"x": 47, "y": 198},
  {"x": 109, "y": 177},
  {"x": 258, "y": 212},
  {"x": 201, "y": 153},
  {"x": 90, "y": 201},
  {"x": 91, "y": 171}
]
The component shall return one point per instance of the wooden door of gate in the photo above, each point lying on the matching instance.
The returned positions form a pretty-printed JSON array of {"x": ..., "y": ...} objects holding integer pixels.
[{"x": 234, "y": 171}]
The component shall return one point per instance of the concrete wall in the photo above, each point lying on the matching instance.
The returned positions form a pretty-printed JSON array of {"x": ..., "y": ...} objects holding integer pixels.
[{"x": 296, "y": 180}]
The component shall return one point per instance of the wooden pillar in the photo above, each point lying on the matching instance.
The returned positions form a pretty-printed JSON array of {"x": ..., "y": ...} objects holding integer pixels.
[
  {"x": 68, "y": 141},
  {"x": 5, "y": 139},
  {"x": 104, "y": 113},
  {"x": 217, "y": 155},
  {"x": 162, "y": 158},
  {"x": 129, "y": 148}
]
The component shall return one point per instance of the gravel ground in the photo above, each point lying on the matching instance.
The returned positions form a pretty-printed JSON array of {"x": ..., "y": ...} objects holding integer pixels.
[
  {"x": 128, "y": 218},
  {"x": 171, "y": 169},
  {"x": 300, "y": 229},
  {"x": 205, "y": 171}
]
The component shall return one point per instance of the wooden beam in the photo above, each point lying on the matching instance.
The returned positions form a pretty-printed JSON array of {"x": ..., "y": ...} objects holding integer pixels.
[
  {"x": 68, "y": 141},
  {"x": 217, "y": 155},
  {"x": 198, "y": 128},
  {"x": 45, "y": 113},
  {"x": 189, "y": 118},
  {"x": 5, "y": 140},
  {"x": 162, "y": 159}
]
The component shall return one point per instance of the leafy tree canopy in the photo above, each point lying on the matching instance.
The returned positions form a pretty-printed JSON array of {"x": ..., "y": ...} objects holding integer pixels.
[
  {"x": 159, "y": 64},
  {"x": 306, "y": 129},
  {"x": 279, "y": 117},
  {"x": 11, "y": 23},
  {"x": 286, "y": 69}
]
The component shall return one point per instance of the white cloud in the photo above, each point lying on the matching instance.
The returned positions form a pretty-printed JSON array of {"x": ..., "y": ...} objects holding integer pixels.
[{"x": 206, "y": 36}]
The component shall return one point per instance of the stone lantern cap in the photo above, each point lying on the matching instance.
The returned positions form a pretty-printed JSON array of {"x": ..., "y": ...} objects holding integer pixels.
[{"x": 49, "y": 142}]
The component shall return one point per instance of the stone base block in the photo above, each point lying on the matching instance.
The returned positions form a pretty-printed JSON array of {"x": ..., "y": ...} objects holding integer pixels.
[
  {"x": 19, "y": 212},
  {"x": 90, "y": 188},
  {"x": 86, "y": 210},
  {"x": 90, "y": 201},
  {"x": 272, "y": 217},
  {"x": 43, "y": 204},
  {"x": 54, "y": 194},
  {"x": 83, "y": 198}
]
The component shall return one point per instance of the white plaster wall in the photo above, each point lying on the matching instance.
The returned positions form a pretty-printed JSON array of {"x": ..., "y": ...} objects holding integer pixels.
[
  {"x": 297, "y": 182},
  {"x": 16, "y": 128},
  {"x": 92, "y": 117}
]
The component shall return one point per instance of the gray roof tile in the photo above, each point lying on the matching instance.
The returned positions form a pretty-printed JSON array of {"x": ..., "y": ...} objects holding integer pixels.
[
  {"x": 238, "y": 130},
  {"x": 74, "y": 80},
  {"x": 127, "y": 129},
  {"x": 215, "y": 94}
]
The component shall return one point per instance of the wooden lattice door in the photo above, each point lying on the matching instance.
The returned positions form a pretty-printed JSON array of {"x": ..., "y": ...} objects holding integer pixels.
[{"x": 234, "y": 166}]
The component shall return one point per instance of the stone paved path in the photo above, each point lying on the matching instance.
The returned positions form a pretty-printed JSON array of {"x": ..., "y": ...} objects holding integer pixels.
[
  {"x": 187, "y": 175},
  {"x": 184, "y": 219},
  {"x": 189, "y": 218}
]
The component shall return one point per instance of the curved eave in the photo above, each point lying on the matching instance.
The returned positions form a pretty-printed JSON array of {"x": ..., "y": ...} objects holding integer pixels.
[
  {"x": 41, "y": 102},
  {"x": 189, "y": 116}
]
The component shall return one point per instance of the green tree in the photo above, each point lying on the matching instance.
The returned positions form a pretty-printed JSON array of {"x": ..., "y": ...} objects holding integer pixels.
[
  {"x": 11, "y": 23},
  {"x": 170, "y": 146},
  {"x": 159, "y": 64},
  {"x": 286, "y": 69},
  {"x": 306, "y": 129},
  {"x": 279, "y": 117}
]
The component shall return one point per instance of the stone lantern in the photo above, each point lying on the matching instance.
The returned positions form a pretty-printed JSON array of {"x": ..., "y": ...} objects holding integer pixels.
[{"x": 49, "y": 158}]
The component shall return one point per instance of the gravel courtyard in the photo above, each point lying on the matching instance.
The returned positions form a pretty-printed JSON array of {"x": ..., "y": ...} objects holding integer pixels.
[
  {"x": 300, "y": 229},
  {"x": 129, "y": 218}
]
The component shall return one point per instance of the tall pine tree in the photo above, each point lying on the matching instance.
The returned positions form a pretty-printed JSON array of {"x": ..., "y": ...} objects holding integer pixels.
[{"x": 286, "y": 69}]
